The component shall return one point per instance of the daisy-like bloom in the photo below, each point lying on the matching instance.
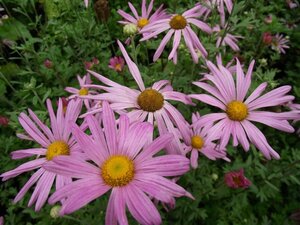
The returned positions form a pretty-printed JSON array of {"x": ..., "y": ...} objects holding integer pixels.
[
  {"x": 229, "y": 39},
  {"x": 179, "y": 25},
  {"x": 229, "y": 94},
  {"x": 53, "y": 143},
  {"x": 83, "y": 91},
  {"x": 123, "y": 161},
  {"x": 149, "y": 104},
  {"x": 116, "y": 63},
  {"x": 279, "y": 43},
  {"x": 146, "y": 18},
  {"x": 198, "y": 139},
  {"x": 237, "y": 179}
]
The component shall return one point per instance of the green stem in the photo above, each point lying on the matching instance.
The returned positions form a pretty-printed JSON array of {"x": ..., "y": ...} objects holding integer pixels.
[
  {"x": 72, "y": 218},
  {"x": 133, "y": 49},
  {"x": 38, "y": 97},
  {"x": 8, "y": 83}
]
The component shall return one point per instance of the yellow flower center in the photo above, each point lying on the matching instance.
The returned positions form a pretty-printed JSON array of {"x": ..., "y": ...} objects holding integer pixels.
[
  {"x": 117, "y": 171},
  {"x": 57, "y": 148},
  {"x": 142, "y": 22},
  {"x": 83, "y": 91},
  {"x": 150, "y": 100},
  {"x": 197, "y": 142},
  {"x": 118, "y": 67},
  {"x": 178, "y": 22},
  {"x": 237, "y": 110}
]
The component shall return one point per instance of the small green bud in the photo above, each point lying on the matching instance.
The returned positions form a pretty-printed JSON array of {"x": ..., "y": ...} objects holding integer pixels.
[
  {"x": 130, "y": 29},
  {"x": 54, "y": 212}
]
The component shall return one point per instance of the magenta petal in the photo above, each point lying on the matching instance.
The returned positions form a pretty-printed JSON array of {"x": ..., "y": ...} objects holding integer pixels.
[{"x": 119, "y": 205}]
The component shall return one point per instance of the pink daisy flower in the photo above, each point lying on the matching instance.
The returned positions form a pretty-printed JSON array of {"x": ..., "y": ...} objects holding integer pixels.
[
  {"x": 279, "y": 43},
  {"x": 198, "y": 139},
  {"x": 149, "y": 104},
  {"x": 146, "y": 18},
  {"x": 228, "y": 39},
  {"x": 179, "y": 25},
  {"x": 229, "y": 94},
  {"x": 116, "y": 63},
  {"x": 122, "y": 161},
  {"x": 237, "y": 179},
  {"x": 53, "y": 142},
  {"x": 83, "y": 91}
]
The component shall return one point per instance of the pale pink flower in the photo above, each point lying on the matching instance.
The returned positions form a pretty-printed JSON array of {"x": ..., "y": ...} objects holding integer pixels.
[
  {"x": 229, "y": 94},
  {"x": 54, "y": 142},
  {"x": 145, "y": 18},
  {"x": 86, "y": 3},
  {"x": 179, "y": 25},
  {"x": 149, "y": 104},
  {"x": 268, "y": 19},
  {"x": 123, "y": 161},
  {"x": 237, "y": 179},
  {"x": 83, "y": 91},
  {"x": 116, "y": 63},
  {"x": 199, "y": 140},
  {"x": 292, "y": 4},
  {"x": 279, "y": 43},
  {"x": 229, "y": 39}
]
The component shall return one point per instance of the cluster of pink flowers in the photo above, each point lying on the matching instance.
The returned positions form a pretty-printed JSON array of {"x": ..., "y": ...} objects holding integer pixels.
[
  {"x": 114, "y": 147},
  {"x": 277, "y": 42}
]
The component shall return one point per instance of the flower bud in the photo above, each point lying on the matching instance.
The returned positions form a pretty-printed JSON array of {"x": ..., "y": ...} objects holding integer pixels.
[
  {"x": 130, "y": 29},
  {"x": 54, "y": 212}
]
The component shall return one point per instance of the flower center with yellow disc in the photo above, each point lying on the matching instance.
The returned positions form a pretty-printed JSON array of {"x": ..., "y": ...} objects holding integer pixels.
[
  {"x": 83, "y": 91},
  {"x": 197, "y": 142},
  {"x": 150, "y": 100},
  {"x": 118, "y": 67},
  {"x": 57, "y": 148},
  {"x": 237, "y": 110},
  {"x": 178, "y": 22},
  {"x": 117, "y": 171},
  {"x": 142, "y": 22}
]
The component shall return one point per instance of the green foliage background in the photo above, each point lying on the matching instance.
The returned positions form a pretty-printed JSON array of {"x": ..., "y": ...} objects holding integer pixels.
[{"x": 68, "y": 34}]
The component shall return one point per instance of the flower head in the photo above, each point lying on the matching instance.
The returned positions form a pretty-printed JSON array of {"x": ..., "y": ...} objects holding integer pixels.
[
  {"x": 279, "y": 43},
  {"x": 179, "y": 25},
  {"x": 123, "y": 161},
  {"x": 141, "y": 21},
  {"x": 4, "y": 121},
  {"x": 150, "y": 104},
  {"x": 48, "y": 64},
  {"x": 268, "y": 19},
  {"x": 83, "y": 91},
  {"x": 54, "y": 142},
  {"x": 116, "y": 63},
  {"x": 267, "y": 38},
  {"x": 229, "y": 39},
  {"x": 239, "y": 112},
  {"x": 236, "y": 179}
]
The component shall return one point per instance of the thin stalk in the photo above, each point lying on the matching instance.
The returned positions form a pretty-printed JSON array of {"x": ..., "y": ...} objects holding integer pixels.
[
  {"x": 133, "y": 49},
  {"x": 38, "y": 97},
  {"x": 8, "y": 83}
]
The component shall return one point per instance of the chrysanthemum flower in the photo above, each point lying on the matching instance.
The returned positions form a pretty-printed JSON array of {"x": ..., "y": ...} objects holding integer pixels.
[
  {"x": 229, "y": 39},
  {"x": 146, "y": 18},
  {"x": 83, "y": 91},
  {"x": 198, "y": 139},
  {"x": 116, "y": 63},
  {"x": 229, "y": 95},
  {"x": 179, "y": 25},
  {"x": 279, "y": 43},
  {"x": 237, "y": 179},
  {"x": 53, "y": 142},
  {"x": 149, "y": 104},
  {"x": 122, "y": 161}
]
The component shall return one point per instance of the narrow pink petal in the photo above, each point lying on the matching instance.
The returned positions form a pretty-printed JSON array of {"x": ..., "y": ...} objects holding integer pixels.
[
  {"x": 127, "y": 16},
  {"x": 209, "y": 100},
  {"x": 28, "y": 166},
  {"x": 160, "y": 84},
  {"x": 177, "y": 96},
  {"x": 155, "y": 33},
  {"x": 19, "y": 154},
  {"x": 45, "y": 190},
  {"x": 194, "y": 158},
  {"x": 140, "y": 206},
  {"x": 132, "y": 67},
  {"x": 240, "y": 76},
  {"x": 155, "y": 146},
  {"x": 162, "y": 45},
  {"x": 161, "y": 165},
  {"x": 133, "y": 10},
  {"x": 256, "y": 93},
  {"x": 119, "y": 205},
  {"x": 123, "y": 132},
  {"x": 247, "y": 80},
  {"x": 201, "y": 25},
  {"x": 53, "y": 121},
  {"x": 241, "y": 135},
  {"x": 144, "y": 10},
  {"x": 176, "y": 42},
  {"x": 212, "y": 90},
  {"x": 150, "y": 7},
  {"x": 110, "y": 130},
  {"x": 71, "y": 167},
  {"x": 189, "y": 44},
  {"x": 196, "y": 41},
  {"x": 110, "y": 217},
  {"x": 33, "y": 179}
]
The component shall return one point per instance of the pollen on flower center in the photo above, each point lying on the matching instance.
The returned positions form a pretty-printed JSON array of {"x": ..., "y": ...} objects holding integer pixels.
[
  {"x": 117, "y": 171},
  {"x": 197, "y": 142},
  {"x": 150, "y": 100},
  {"x": 178, "y": 22},
  {"x": 237, "y": 110},
  {"x": 83, "y": 91},
  {"x": 142, "y": 22},
  {"x": 57, "y": 148}
]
